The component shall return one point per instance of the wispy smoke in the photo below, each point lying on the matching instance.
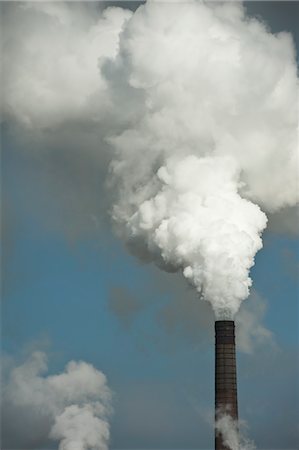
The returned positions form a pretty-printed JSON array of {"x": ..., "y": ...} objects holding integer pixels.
[
  {"x": 72, "y": 407},
  {"x": 214, "y": 120},
  {"x": 252, "y": 335},
  {"x": 232, "y": 433}
]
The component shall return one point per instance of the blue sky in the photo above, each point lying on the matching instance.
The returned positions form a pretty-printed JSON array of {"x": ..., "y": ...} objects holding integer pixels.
[{"x": 62, "y": 293}]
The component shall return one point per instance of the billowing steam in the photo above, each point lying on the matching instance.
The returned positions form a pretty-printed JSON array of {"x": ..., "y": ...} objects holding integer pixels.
[
  {"x": 72, "y": 407},
  {"x": 198, "y": 222},
  {"x": 211, "y": 138},
  {"x": 199, "y": 104}
]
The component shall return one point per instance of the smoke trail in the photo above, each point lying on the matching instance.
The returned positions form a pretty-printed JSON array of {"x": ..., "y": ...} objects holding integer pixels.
[
  {"x": 72, "y": 407},
  {"x": 211, "y": 138}
]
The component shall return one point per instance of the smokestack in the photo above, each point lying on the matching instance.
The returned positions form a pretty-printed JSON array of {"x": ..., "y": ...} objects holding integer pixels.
[{"x": 226, "y": 401}]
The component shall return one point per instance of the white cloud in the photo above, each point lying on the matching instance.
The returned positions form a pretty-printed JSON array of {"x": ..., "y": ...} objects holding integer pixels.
[{"x": 72, "y": 407}]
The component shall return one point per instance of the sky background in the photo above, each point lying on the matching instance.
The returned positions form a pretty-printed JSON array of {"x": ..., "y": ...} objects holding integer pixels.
[{"x": 70, "y": 288}]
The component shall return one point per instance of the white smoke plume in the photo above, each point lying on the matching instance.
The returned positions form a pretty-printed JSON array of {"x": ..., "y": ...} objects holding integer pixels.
[
  {"x": 72, "y": 407},
  {"x": 199, "y": 104},
  {"x": 52, "y": 54},
  {"x": 232, "y": 433},
  {"x": 212, "y": 140},
  {"x": 198, "y": 223}
]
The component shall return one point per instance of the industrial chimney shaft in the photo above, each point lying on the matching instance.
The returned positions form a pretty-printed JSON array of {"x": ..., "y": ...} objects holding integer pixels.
[{"x": 226, "y": 401}]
